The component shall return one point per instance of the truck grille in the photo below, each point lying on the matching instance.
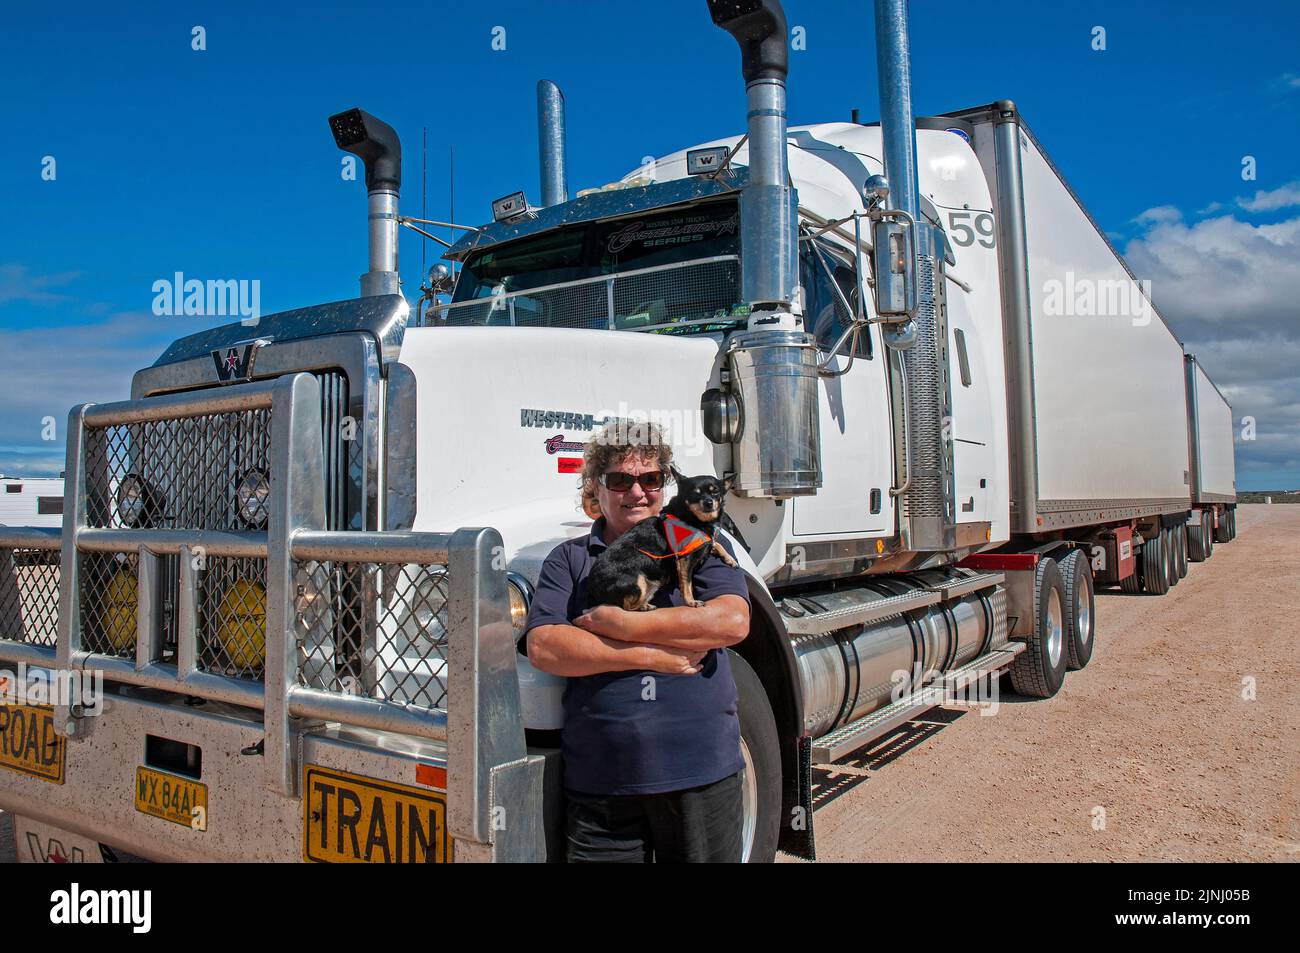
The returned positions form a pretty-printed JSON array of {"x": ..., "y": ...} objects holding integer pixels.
[{"x": 192, "y": 468}]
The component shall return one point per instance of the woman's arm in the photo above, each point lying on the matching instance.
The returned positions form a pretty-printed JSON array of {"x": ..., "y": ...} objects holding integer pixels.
[
  {"x": 720, "y": 623},
  {"x": 569, "y": 651}
]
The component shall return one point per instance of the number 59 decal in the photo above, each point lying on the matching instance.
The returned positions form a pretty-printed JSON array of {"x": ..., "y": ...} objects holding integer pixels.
[{"x": 966, "y": 232}]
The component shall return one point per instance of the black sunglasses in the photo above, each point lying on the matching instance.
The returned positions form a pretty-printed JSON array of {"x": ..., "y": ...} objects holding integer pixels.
[{"x": 621, "y": 482}]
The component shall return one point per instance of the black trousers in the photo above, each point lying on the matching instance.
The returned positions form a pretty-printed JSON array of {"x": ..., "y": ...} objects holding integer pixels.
[{"x": 697, "y": 825}]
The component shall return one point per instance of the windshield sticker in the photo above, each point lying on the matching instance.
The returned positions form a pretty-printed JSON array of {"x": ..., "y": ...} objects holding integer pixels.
[{"x": 678, "y": 231}]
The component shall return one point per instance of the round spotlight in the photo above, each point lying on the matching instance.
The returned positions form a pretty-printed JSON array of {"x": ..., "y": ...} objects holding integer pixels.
[
  {"x": 252, "y": 497},
  {"x": 133, "y": 500}
]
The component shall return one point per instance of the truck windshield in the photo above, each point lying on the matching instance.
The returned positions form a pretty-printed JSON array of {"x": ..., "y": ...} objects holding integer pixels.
[{"x": 674, "y": 271}]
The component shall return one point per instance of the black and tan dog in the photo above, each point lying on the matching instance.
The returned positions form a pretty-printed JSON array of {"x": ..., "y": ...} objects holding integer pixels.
[{"x": 658, "y": 550}]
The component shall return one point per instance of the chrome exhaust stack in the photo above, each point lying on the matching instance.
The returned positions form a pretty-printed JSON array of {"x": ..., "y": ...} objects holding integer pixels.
[
  {"x": 927, "y": 520},
  {"x": 551, "y": 143},
  {"x": 773, "y": 366},
  {"x": 378, "y": 146}
]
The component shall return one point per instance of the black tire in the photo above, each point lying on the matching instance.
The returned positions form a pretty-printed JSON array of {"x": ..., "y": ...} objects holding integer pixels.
[
  {"x": 1040, "y": 669},
  {"x": 762, "y": 748},
  {"x": 1171, "y": 555},
  {"x": 1196, "y": 542},
  {"x": 1155, "y": 565},
  {"x": 1232, "y": 524},
  {"x": 1133, "y": 584},
  {"x": 1180, "y": 549},
  {"x": 1209, "y": 534},
  {"x": 1080, "y": 609}
]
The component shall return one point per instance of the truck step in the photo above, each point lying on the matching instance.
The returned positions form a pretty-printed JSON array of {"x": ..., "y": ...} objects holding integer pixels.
[
  {"x": 848, "y": 738},
  {"x": 875, "y": 609}
]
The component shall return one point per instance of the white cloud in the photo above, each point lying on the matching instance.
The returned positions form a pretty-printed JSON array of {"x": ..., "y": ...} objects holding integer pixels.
[
  {"x": 1231, "y": 291},
  {"x": 17, "y": 283},
  {"x": 1284, "y": 196},
  {"x": 1288, "y": 81},
  {"x": 1160, "y": 215}
]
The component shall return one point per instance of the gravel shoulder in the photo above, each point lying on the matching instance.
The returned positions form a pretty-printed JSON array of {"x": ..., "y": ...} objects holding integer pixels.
[{"x": 1156, "y": 733}]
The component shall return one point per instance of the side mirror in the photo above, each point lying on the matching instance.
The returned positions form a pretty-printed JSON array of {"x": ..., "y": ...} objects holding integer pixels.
[
  {"x": 875, "y": 192},
  {"x": 895, "y": 267}
]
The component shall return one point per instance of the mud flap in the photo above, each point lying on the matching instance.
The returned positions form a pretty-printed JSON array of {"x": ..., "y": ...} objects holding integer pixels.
[{"x": 797, "y": 826}]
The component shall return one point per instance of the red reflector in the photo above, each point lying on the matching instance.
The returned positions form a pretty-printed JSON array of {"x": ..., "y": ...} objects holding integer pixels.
[
  {"x": 434, "y": 777},
  {"x": 1005, "y": 562},
  {"x": 569, "y": 464}
]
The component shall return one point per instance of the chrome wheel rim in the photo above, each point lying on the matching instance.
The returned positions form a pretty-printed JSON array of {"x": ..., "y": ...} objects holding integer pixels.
[
  {"x": 1055, "y": 630},
  {"x": 749, "y": 803}
]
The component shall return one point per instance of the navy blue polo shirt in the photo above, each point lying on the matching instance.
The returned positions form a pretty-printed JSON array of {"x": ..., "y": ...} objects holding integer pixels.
[{"x": 642, "y": 732}]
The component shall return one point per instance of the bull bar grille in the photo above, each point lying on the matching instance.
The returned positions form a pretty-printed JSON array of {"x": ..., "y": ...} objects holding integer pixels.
[{"x": 29, "y": 595}]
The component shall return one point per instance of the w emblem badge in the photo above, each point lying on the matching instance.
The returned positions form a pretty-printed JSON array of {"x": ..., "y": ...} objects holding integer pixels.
[{"x": 235, "y": 364}]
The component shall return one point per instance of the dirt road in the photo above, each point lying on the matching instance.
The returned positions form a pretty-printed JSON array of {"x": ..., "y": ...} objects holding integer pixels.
[{"x": 1150, "y": 753}]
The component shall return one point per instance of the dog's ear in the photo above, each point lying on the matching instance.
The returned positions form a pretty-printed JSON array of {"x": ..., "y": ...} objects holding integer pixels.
[
  {"x": 728, "y": 482},
  {"x": 676, "y": 474}
]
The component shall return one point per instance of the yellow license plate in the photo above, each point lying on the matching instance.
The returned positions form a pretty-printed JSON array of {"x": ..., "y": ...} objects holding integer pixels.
[
  {"x": 354, "y": 819},
  {"x": 170, "y": 797},
  {"x": 28, "y": 743}
]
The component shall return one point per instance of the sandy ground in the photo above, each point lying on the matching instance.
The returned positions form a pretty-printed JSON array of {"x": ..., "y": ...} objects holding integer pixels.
[{"x": 1155, "y": 733}]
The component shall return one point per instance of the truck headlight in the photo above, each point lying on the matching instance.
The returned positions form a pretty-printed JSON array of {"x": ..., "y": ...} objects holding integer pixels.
[
  {"x": 119, "y": 611},
  {"x": 251, "y": 497},
  {"x": 241, "y": 624},
  {"x": 134, "y": 501},
  {"x": 521, "y": 597}
]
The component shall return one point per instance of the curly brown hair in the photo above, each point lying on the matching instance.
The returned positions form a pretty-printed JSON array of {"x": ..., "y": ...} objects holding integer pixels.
[{"x": 613, "y": 444}]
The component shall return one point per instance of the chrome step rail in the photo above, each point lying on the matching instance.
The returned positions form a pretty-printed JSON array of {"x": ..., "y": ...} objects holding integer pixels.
[
  {"x": 815, "y": 623},
  {"x": 836, "y": 744}
]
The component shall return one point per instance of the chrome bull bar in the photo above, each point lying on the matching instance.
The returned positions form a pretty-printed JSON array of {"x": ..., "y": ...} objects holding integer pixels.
[{"x": 479, "y": 722}]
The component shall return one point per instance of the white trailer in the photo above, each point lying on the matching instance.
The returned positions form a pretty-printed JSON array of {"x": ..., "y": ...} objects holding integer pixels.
[
  {"x": 1214, "y": 472},
  {"x": 934, "y": 460},
  {"x": 31, "y": 501}
]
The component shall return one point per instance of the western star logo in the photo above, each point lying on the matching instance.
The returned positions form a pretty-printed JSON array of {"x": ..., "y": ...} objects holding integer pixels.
[
  {"x": 234, "y": 363},
  {"x": 559, "y": 419}
]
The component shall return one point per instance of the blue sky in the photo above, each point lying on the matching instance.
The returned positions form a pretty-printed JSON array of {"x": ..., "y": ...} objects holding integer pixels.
[{"x": 219, "y": 163}]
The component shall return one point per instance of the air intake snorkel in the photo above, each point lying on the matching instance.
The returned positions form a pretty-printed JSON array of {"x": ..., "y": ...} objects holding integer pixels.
[{"x": 376, "y": 143}]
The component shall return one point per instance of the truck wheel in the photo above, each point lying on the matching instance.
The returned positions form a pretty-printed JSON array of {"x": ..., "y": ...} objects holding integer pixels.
[
  {"x": 1171, "y": 556},
  {"x": 760, "y": 778},
  {"x": 1232, "y": 524},
  {"x": 1155, "y": 570},
  {"x": 1133, "y": 584},
  {"x": 1195, "y": 542},
  {"x": 1080, "y": 620},
  {"x": 1040, "y": 669},
  {"x": 1221, "y": 531},
  {"x": 1180, "y": 550},
  {"x": 1209, "y": 534}
]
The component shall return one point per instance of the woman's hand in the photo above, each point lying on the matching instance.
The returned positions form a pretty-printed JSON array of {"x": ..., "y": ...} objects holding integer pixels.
[
  {"x": 609, "y": 621},
  {"x": 673, "y": 661}
]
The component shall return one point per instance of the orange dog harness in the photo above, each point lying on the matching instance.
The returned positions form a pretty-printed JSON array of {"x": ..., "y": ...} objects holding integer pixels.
[{"x": 681, "y": 537}]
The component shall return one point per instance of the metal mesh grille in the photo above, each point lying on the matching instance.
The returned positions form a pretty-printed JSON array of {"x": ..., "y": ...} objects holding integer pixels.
[
  {"x": 108, "y": 587},
  {"x": 373, "y": 630},
  {"x": 29, "y": 596},
  {"x": 231, "y": 608},
  {"x": 656, "y": 297},
  {"x": 928, "y": 403},
  {"x": 191, "y": 468}
]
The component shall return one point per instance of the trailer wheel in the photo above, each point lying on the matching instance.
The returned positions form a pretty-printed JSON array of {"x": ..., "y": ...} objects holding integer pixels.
[
  {"x": 1155, "y": 567},
  {"x": 1232, "y": 524},
  {"x": 1080, "y": 617},
  {"x": 1040, "y": 669},
  {"x": 1196, "y": 541},
  {"x": 1133, "y": 584},
  {"x": 760, "y": 778},
  {"x": 1221, "y": 531},
  {"x": 1210, "y": 532},
  {"x": 1171, "y": 554},
  {"x": 1180, "y": 549}
]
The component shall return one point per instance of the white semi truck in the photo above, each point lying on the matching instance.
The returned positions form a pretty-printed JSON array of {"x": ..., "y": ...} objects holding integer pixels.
[{"x": 948, "y": 409}]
